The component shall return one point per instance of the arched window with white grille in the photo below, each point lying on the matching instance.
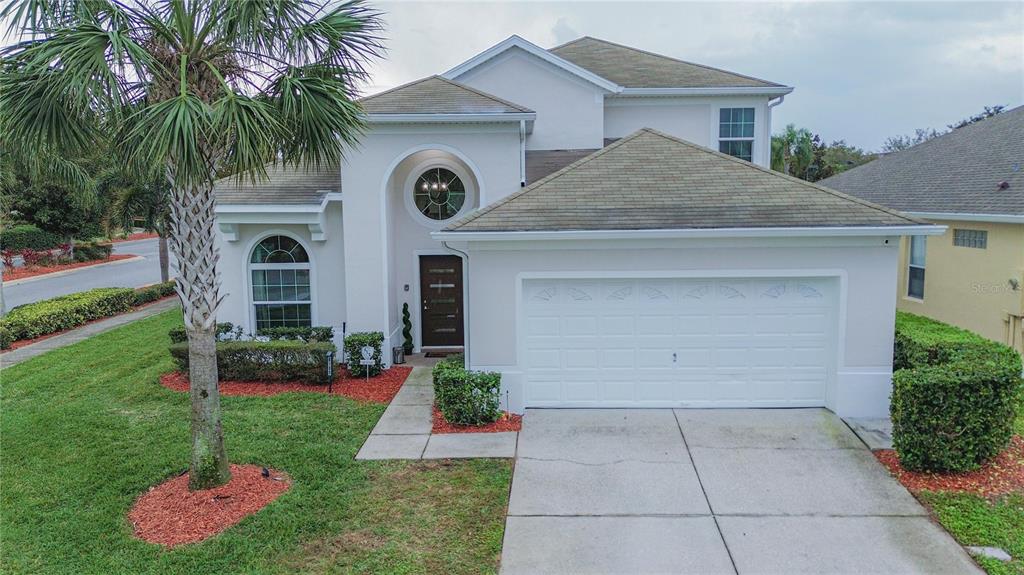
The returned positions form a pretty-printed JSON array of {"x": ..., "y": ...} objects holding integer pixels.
[{"x": 279, "y": 272}]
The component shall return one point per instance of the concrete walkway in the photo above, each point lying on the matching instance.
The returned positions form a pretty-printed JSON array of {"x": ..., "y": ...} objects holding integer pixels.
[
  {"x": 404, "y": 431},
  {"x": 21, "y": 354},
  {"x": 711, "y": 491}
]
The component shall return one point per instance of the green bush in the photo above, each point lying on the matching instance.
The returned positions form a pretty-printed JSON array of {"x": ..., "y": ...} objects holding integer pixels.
[
  {"x": 407, "y": 344},
  {"x": 178, "y": 334},
  {"x": 154, "y": 292},
  {"x": 466, "y": 397},
  {"x": 954, "y": 397},
  {"x": 923, "y": 341},
  {"x": 6, "y": 339},
  {"x": 65, "y": 312},
  {"x": 314, "y": 333},
  {"x": 354, "y": 343},
  {"x": 27, "y": 236},
  {"x": 279, "y": 360},
  {"x": 91, "y": 251}
]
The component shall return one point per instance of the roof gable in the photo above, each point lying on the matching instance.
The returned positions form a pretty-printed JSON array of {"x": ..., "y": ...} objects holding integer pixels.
[
  {"x": 634, "y": 68},
  {"x": 438, "y": 95},
  {"x": 958, "y": 172},
  {"x": 536, "y": 51},
  {"x": 652, "y": 181}
]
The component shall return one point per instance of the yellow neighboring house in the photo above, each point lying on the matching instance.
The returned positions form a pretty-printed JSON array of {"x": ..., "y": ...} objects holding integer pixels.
[{"x": 972, "y": 181}]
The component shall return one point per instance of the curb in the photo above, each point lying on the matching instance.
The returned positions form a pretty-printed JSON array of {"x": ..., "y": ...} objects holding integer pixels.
[{"x": 71, "y": 271}]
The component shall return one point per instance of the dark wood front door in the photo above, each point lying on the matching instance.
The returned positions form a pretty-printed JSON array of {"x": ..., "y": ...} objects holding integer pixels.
[{"x": 441, "y": 295}]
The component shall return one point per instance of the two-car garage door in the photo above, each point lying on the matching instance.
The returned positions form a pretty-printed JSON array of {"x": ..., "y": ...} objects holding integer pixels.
[{"x": 650, "y": 342}]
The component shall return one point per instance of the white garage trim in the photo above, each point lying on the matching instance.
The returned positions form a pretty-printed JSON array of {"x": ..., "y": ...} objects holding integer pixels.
[{"x": 835, "y": 340}]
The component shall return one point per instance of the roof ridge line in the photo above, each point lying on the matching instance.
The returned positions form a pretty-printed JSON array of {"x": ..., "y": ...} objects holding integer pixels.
[
  {"x": 564, "y": 44},
  {"x": 483, "y": 94},
  {"x": 655, "y": 54},
  {"x": 487, "y": 209},
  {"x": 942, "y": 137},
  {"x": 794, "y": 179}
]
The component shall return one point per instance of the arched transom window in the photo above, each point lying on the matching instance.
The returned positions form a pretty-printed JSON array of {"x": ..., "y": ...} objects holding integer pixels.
[
  {"x": 439, "y": 194},
  {"x": 279, "y": 268}
]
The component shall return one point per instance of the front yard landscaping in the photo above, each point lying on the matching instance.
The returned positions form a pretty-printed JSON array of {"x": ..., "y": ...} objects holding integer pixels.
[
  {"x": 88, "y": 429},
  {"x": 958, "y": 427}
]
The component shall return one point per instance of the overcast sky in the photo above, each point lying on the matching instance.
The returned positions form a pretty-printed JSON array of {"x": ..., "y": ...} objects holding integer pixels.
[{"x": 862, "y": 71}]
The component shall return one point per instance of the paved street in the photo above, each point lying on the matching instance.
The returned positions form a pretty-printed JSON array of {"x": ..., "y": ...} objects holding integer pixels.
[{"x": 128, "y": 274}]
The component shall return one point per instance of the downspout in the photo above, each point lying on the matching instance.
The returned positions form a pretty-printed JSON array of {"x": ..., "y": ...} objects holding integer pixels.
[
  {"x": 522, "y": 153},
  {"x": 771, "y": 104},
  {"x": 465, "y": 300}
]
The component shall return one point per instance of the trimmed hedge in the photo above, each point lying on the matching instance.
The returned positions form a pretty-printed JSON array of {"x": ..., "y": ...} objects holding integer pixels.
[
  {"x": 466, "y": 397},
  {"x": 6, "y": 339},
  {"x": 178, "y": 334},
  {"x": 65, "y": 312},
  {"x": 27, "y": 236},
  {"x": 279, "y": 360},
  {"x": 354, "y": 343},
  {"x": 954, "y": 397},
  {"x": 314, "y": 333},
  {"x": 154, "y": 292},
  {"x": 923, "y": 341}
]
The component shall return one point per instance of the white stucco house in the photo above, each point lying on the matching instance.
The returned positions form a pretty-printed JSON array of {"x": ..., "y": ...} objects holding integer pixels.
[{"x": 593, "y": 221}]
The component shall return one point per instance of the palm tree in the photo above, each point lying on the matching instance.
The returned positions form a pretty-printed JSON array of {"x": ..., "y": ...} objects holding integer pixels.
[
  {"x": 136, "y": 197},
  {"x": 196, "y": 87},
  {"x": 793, "y": 151}
]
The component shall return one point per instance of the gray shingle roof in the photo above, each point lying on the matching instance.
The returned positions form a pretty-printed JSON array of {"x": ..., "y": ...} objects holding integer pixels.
[
  {"x": 650, "y": 180},
  {"x": 437, "y": 95},
  {"x": 283, "y": 185},
  {"x": 541, "y": 163},
  {"x": 633, "y": 68},
  {"x": 958, "y": 172}
]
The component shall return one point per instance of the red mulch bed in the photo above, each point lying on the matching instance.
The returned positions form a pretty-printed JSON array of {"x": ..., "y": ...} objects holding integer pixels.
[
  {"x": 379, "y": 389},
  {"x": 133, "y": 237},
  {"x": 1002, "y": 475},
  {"x": 507, "y": 422},
  {"x": 22, "y": 272},
  {"x": 23, "y": 342},
  {"x": 169, "y": 514}
]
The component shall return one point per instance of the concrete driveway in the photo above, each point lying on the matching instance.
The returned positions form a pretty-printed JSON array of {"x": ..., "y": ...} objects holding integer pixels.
[{"x": 711, "y": 491}]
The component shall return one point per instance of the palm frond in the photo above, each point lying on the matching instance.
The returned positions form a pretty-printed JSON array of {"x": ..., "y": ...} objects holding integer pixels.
[{"x": 315, "y": 108}]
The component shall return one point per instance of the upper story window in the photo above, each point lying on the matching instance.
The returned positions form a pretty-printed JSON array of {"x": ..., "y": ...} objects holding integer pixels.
[
  {"x": 970, "y": 238},
  {"x": 281, "y": 294},
  {"x": 915, "y": 267},
  {"x": 439, "y": 194},
  {"x": 736, "y": 132}
]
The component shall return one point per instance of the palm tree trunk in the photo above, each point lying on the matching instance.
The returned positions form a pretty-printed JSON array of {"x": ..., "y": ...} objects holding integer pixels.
[
  {"x": 209, "y": 465},
  {"x": 165, "y": 261},
  {"x": 192, "y": 235}
]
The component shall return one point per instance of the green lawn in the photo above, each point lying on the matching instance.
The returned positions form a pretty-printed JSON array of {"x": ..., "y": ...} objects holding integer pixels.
[
  {"x": 975, "y": 521},
  {"x": 86, "y": 429}
]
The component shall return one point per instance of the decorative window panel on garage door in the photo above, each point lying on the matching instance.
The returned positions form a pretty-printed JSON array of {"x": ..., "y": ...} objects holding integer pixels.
[{"x": 678, "y": 342}]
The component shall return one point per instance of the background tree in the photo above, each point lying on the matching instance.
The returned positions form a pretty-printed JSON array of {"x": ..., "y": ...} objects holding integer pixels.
[
  {"x": 988, "y": 112},
  {"x": 142, "y": 196},
  {"x": 898, "y": 143},
  {"x": 802, "y": 154},
  {"x": 196, "y": 87},
  {"x": 793, "y": 151},
  {"x": 838, "y": 157},
  {"x": 902, "y": 142}
]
